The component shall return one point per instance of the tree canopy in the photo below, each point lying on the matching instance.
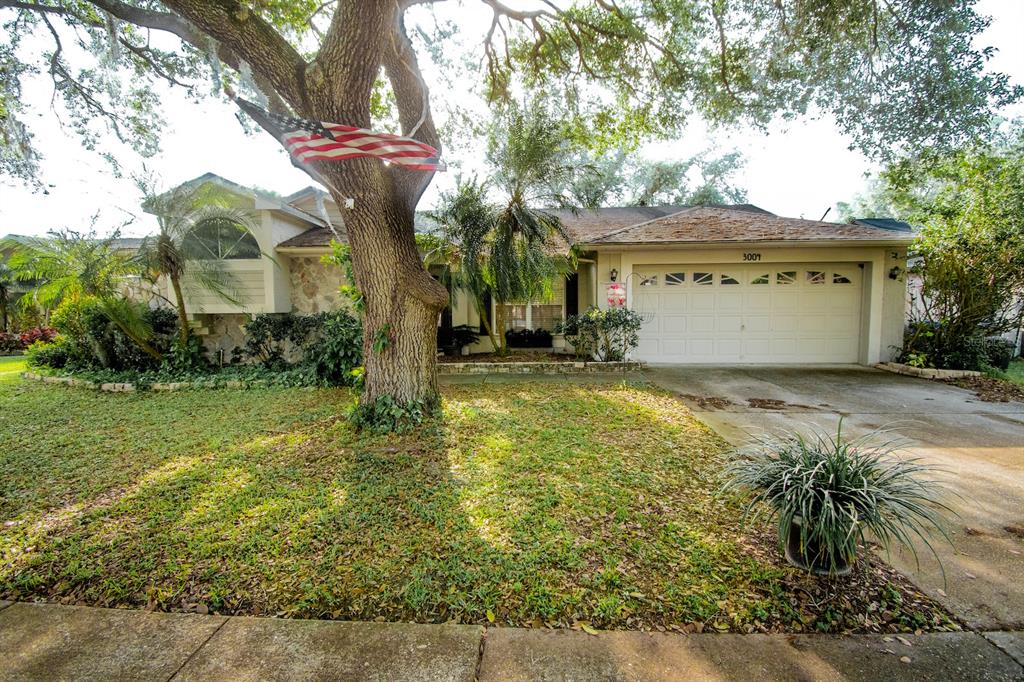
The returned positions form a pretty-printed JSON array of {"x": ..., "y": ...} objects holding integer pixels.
[
  {"x": 968, "y": 208},
  {"x": 497, "y": 239},
  {"x": 897, "y": 75},
  {"x": 626, "y": 180}
]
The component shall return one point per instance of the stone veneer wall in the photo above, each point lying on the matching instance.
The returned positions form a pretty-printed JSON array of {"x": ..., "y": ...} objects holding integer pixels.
[
  {"x": 315, "y": 285},
  {"x": 314, "y": 289},
  {"x": 222, "y": 332}
]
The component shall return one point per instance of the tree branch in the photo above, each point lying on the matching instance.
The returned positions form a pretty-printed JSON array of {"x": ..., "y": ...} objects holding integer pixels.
[
  {"x": 413, "y": 100},
  {"x": 34, "y": 7},
  {"x": 235, "y": 27},
  {"x": 277, "y": 66}
]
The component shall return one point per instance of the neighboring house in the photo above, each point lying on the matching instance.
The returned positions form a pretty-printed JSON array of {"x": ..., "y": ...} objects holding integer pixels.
[{"x": 724, "y": 284}]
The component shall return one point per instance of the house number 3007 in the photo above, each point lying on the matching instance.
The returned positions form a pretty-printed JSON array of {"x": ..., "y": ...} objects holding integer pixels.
[{"x": 751, "y": 256}]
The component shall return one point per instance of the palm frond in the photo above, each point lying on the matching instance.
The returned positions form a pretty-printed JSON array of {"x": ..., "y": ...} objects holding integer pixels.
[{"x": 199, "y": 226}]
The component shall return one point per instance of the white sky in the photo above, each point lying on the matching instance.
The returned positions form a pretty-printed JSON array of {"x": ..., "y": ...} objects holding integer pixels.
[{"x": 799, "y": 169}]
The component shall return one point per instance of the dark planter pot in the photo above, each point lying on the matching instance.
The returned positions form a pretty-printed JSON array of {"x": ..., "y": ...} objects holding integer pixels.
[{"x": 811, "y": 560}]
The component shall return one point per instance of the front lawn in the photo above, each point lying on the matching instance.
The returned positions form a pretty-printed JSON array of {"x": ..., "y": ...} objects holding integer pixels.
[
  {"x": 11, "y": 366},
  {"x": 529, "y": 504},
  {"x": 1015, "y": 373}
]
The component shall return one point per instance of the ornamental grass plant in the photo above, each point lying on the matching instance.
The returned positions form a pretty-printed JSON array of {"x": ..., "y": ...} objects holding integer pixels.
[{"x": 831, "y": 494}]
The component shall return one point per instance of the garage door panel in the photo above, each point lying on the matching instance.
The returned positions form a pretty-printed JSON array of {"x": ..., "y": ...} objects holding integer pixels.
[
  {"x": 755, "y": 300},
  {"x": 701, "y": 348},
  {"x": 730, "y": 323},
  {"x": 758, "y": 350},
  {"x": 646, "y": 304},
  {"x": 702, "y": 323},
  {"x": 674, "y": 302},
  {"x": 844, "y": 324},
  {"x": 673, "y": 324},
  {"x": 729, "y": 301},
  {"x": 757, "y": 324},
  {"x": 818, "y": 301},
  {"x": 758, "y": 314},
  {"x": 674, "y": 347},
  {"x": 785, "y": 301},
  {"x": 813, "y": 324},
  {"x": 702, "y": 301},
  {"x": 647, "y": 348},
  {"x": 785, "y": 323},
  {"x": 728, "y": 348}
]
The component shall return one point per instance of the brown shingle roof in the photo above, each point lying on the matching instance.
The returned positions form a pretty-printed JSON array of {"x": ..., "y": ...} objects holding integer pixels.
[
  {"x": 585, "y": 226},
  {"x": 316, "y": 237},
  {"x": 718, "y": 224},
  {"x": 675, "y": 224}
]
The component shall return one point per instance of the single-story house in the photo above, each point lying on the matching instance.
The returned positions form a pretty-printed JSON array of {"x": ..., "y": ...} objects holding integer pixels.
[{"x": 721, "y": 284}]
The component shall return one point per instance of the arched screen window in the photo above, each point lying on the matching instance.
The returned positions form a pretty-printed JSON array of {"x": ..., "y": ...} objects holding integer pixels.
[{"x": 222, "y": 240}]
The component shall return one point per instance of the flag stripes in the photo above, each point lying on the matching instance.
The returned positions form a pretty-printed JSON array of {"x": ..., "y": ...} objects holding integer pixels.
[{"x": 312, "y": 141}]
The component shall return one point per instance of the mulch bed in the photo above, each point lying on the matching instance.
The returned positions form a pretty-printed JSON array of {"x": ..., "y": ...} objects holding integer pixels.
[
  {"x": 990, "y": 390},
  {"x": 873, "y": 598},
  {"x": 525, "y": 356}
]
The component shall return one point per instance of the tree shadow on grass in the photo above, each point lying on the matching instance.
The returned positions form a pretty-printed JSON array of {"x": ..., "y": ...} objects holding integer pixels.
[{"x": 527, "y": 503}]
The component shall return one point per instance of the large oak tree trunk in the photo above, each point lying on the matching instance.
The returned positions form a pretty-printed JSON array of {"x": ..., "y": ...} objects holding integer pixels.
[{"x": 402, "y": 301}]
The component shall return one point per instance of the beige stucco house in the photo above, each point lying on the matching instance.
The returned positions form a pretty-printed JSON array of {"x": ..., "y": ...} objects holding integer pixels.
[{"x": 730, "y": 284}]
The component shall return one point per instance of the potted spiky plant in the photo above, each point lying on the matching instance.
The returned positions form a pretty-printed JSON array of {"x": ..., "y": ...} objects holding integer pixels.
[{"x": 831, "y": 493}]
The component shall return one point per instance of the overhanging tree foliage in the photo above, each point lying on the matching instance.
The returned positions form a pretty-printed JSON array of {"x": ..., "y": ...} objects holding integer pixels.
[
  {"x": 620, "y": 180},
  {"x": 897, "y": 75},
  {"x": 969, "y": 251}
]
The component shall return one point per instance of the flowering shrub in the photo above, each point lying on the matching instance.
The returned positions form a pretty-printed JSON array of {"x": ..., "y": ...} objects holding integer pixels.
[
  {"x": 609, "y": 335},
  {"x": 11, "y": 342}
]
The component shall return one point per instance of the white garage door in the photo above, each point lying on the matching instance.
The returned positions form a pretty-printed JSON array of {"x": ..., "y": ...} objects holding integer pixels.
[{"x": 748, "y": 314}]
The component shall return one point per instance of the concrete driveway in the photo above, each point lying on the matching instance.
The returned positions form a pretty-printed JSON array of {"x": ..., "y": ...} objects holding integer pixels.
[{"x": 979, "y": 446}]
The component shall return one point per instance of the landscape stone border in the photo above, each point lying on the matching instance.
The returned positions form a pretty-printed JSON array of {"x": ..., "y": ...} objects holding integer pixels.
[
  {"x": 926, "y": 372},
  {"x": 442, "y": 369},
  {"x": 131, "y": 388},
  {"x": 448, "y": 368}
]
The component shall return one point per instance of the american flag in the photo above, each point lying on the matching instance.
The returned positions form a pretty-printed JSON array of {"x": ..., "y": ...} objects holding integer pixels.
[{"x": 312, "y": 141}]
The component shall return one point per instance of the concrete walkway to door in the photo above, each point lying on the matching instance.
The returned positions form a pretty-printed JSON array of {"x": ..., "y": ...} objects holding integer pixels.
[{"x": 979, "y": 446}]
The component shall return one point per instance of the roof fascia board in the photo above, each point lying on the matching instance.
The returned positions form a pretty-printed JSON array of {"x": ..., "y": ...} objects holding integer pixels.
[
  {"x": 817, "y": 243},
  {"x": 303, "y": 250}
]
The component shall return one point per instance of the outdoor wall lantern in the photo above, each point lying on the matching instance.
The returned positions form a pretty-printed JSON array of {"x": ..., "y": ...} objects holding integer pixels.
[{"x": 614, "y": 275}]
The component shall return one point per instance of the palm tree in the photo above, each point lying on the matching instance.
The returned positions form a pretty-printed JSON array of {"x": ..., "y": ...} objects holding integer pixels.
[
  {"x": 197, "y": 227},
  {"x": 7, "y": 281},
  {"x": 509, "y": 248},
  {"x": 69, "y": 266}
]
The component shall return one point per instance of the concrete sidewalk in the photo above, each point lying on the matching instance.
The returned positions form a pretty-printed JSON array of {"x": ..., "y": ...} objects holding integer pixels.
[{"x": 49, "y": 642}]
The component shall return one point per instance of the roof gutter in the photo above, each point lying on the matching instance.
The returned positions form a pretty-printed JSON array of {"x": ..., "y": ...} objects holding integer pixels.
[
  {"x": 618, "y": 246},
  {"x": 303, "y": 250}
]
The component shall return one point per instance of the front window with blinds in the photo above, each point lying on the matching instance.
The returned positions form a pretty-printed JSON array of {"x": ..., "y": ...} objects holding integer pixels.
[{"x": 538, "y": 314}]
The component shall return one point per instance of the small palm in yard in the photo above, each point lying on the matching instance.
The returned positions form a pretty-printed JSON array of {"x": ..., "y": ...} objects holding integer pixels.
[
  {"x": 830, "y": 494},
  {"x": 7, "y": 283},
  {"x": 511, "y": 250},
  {"x": 72, "y": 266},
  {"x": 198, "y": 227}
]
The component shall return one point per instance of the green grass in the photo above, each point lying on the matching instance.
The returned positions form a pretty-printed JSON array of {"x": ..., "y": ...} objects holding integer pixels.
[
  {"x": 527, "y": 504},
  {"x": 10, "y": 367},
  {"x": 1015, "y": 373}
]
